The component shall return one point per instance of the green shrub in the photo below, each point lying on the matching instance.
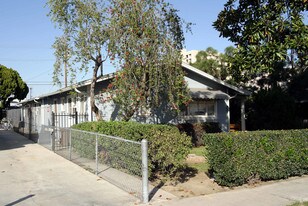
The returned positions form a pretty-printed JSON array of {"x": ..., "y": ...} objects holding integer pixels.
[
  {"x": 236, "y": 158},
  {"x": 197, "y": 130},
  {"x": 167, "y": 146},
  {"x": 83, "y": 144}
]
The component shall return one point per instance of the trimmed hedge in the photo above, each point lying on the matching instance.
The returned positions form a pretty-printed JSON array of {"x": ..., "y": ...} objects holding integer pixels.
[
  {"x": 197, "y": 130},
  {"x": 237, "y": 158},
  {"x": 167, "y": 146}
]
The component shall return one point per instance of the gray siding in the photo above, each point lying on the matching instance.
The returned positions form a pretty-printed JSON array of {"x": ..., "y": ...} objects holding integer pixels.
[{"x": 191, "y": 83}]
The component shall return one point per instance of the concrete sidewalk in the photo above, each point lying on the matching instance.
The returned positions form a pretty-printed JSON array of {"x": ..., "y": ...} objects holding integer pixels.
[
  {"x": 33, "y": 175},
  {"x": 281, "y": 193}
]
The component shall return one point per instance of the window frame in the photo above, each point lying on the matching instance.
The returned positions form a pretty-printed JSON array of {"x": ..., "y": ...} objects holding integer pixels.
[{"x": 205, "y": 103}]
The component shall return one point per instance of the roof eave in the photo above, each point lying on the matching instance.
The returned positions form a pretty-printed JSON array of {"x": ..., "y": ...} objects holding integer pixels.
[
  {"x": 204, "y": 74},
  {"x": 69, "y": 88}
]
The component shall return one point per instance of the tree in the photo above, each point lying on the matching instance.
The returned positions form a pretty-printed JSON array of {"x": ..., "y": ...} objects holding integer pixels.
[
  {"x": 268, "y": 34},
  {"x": 298, "y": 89},
  {"x": 11, "y": 86},
  {"x": 145, "y": 42},
  {"x": 208, "y": 61},
  {"x": 84, "y": 26},
  {"x": 271, "y": 109},
  {"x": 214, "y": 63}
]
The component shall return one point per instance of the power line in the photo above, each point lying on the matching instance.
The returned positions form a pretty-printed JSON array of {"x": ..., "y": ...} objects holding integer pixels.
[{"x": 40, "y": 74}]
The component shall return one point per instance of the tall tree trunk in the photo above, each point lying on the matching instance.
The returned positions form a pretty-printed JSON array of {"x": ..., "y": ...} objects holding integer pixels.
[{"x": 94, "y": 108}]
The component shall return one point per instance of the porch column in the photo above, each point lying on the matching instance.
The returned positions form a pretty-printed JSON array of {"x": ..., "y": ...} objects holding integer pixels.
[
  {"x": 227, "y": 102},
  {"x": 243, "y": 120}
]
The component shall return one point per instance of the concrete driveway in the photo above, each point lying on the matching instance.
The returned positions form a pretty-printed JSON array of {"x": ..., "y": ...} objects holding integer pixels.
[{"x": 33, "y": 175}]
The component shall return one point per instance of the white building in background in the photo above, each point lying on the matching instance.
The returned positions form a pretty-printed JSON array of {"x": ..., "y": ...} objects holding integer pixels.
[{"x": 189, "y": 57}]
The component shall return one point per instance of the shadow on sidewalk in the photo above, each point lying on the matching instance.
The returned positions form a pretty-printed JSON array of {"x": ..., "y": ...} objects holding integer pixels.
[
  {"x": 11, "y": 140},
  {"x": 19, "y": 200}
]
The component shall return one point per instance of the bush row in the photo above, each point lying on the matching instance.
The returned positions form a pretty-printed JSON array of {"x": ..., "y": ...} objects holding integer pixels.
[
  {"x": 237, "y": 158},
  {"x": 197, "y": 130},
  {"x": 167, "y": 147},
  {"x": 122, "y": 155}
]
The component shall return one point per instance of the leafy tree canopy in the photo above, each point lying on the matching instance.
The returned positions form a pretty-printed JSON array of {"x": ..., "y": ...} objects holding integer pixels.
[
  {"x": 267, "y": 33},
  {"x": 214, "y": 63},
  {"x": 145, "y": 42},
  {"x": 144, "y": 39},
  {"x": 11, "y": 86},
  {"x": 84, "y": 26},
  {"x": 271, "y": 109}
]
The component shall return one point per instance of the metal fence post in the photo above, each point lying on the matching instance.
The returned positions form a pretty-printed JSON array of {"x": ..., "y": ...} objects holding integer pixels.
[
  {"x": 70, "y": 144},
  {"x": 53, "y": 142},
  {"x": 145, "y": 185},
  {"x": 53, "y": 133},
  {"x": 96, "y": 154},
  {"x": 76, "y": 117},
  {"x": 30, "y": 122}
]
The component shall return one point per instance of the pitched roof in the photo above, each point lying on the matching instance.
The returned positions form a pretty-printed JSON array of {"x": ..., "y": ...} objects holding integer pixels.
[
  {"x": 69, "y": 88},
  {"x": 210, "y": 77},
  {"x": 184, "y": 65}
]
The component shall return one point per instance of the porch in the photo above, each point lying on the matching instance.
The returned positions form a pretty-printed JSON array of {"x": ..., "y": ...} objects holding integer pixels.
[{"x": 213, "y": 106}]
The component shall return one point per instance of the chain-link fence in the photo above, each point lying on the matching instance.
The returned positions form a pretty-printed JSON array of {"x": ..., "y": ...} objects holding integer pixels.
[{"x": 121, "y": 162}]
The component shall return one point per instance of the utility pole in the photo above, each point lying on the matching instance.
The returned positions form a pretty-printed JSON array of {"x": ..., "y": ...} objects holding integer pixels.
[{"x": 30, "y": 93}]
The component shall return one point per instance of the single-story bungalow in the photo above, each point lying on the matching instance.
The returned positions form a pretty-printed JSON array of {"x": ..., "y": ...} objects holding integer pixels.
[{"x": 211, "y": 103}]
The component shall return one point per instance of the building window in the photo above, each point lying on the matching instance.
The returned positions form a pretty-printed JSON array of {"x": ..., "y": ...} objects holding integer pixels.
[
  {"x": 205, "y": 108},
  {"x": 71, "y": 105},
  {"x": 55, "y": 105},
  {"x": 62, "y": 104},
  {"x": 82, "y": 100}
]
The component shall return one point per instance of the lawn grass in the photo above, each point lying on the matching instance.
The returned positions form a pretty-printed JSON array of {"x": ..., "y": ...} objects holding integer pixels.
[
  {"x": 299, "y": 204},
  {"x": 201, "y": 167},
  {"x": 198, "y": 151}
]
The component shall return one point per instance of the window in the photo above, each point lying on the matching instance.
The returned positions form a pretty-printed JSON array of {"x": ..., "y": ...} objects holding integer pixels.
[
  {"x": 71, "y": 105},
  {"x": 62, "y": 104},
  {"x": 205, "y": 108},
  {"x": 82, "y": 104},
  {"x": 211, "y": 109},
  {"x": 55, "y": 105}
]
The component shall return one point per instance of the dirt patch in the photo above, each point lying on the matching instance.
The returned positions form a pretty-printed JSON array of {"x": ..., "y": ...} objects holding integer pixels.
[
  {"x": 198, "y": 185},
  {"x": 193, "y": 181},
  {"x": 201, "y": 184}
]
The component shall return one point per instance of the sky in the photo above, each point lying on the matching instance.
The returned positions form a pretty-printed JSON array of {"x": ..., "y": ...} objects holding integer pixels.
[{"x": 27, "y": 35}]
